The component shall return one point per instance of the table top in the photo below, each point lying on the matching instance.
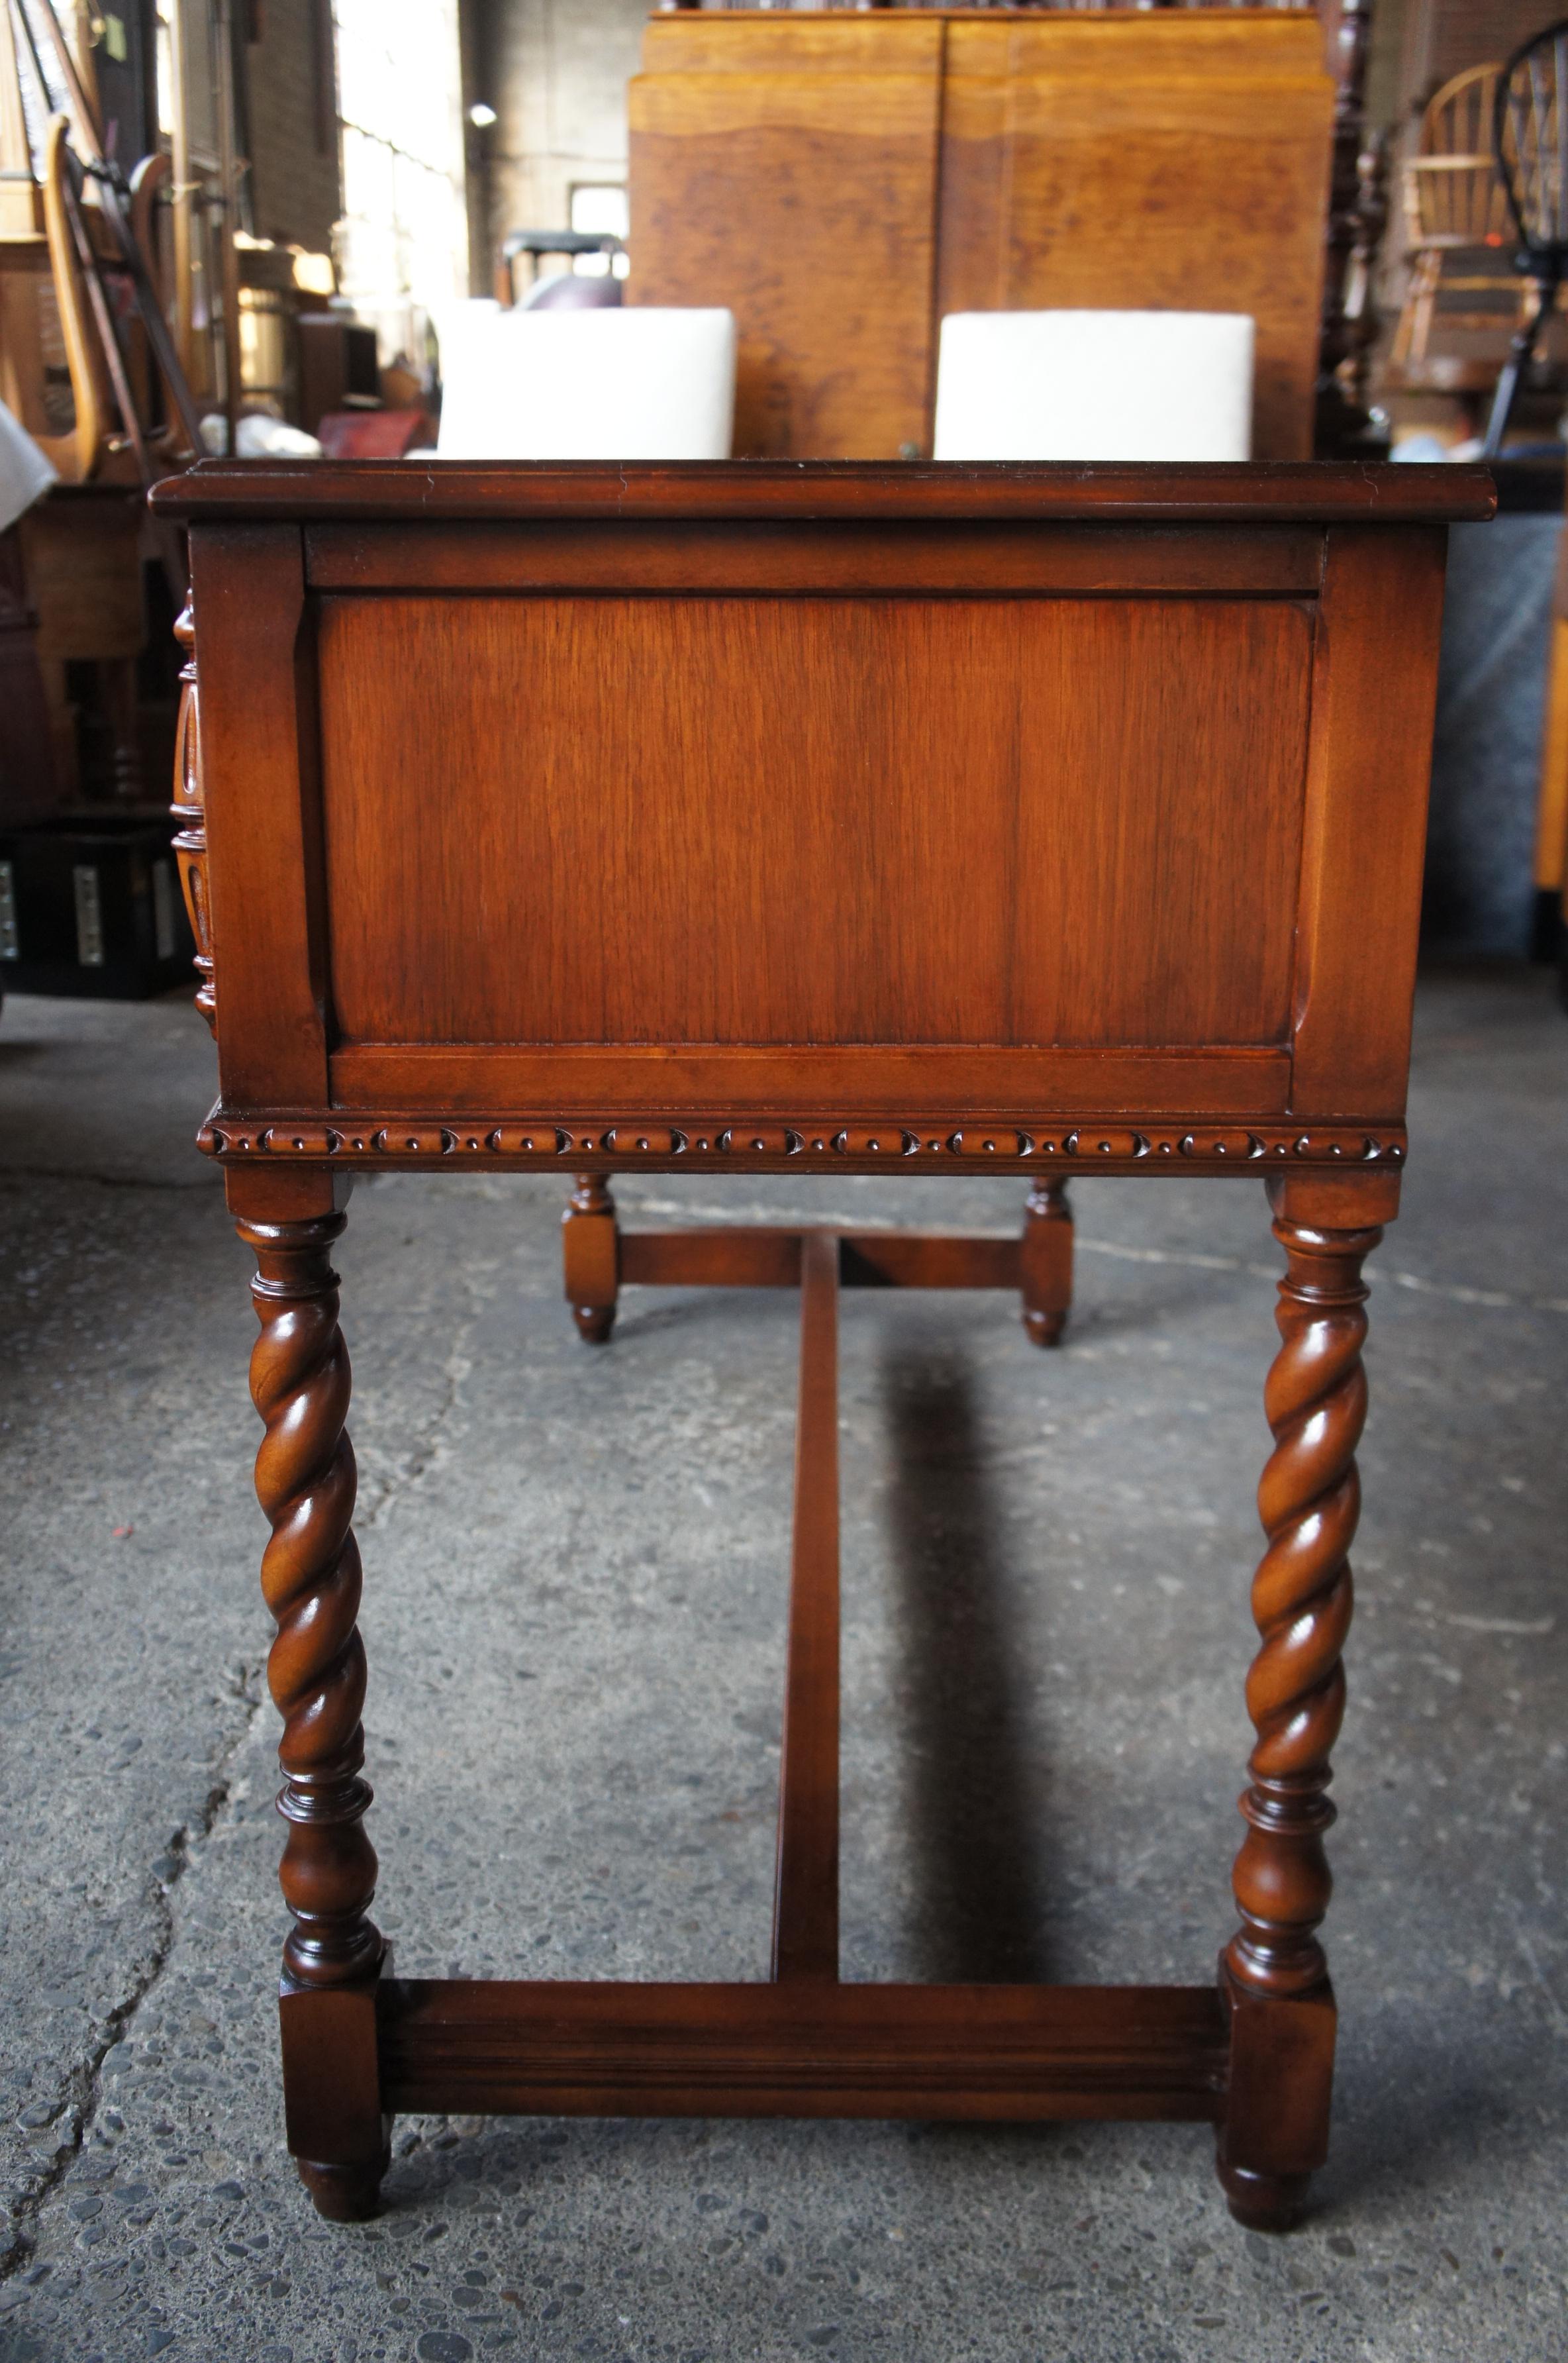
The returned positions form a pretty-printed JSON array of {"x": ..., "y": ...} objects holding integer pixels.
[{"x": 454, "y": 491}]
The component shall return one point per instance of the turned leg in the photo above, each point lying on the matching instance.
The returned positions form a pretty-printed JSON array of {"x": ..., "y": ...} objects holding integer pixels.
[
  {"x": 1274, "y": 1975},
  {"x": 310, "y": 1574},
  {"x": 590, "y": 1255},
  {"x": 1047, "y": 1262}
]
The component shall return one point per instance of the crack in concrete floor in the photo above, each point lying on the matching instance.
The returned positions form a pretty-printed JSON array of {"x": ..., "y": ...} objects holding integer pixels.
[{"x": 82, "y": 2093}]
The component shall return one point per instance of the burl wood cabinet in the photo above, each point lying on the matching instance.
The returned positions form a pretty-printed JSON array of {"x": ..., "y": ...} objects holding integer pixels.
[
  {"x": 817, "y": 819},
  {"x": 843, "y": 182}
]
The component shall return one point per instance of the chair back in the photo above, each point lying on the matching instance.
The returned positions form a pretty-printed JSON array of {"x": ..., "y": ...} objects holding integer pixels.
[
  {"x": 639, "y": 383},
  {"x": 1531, "y": 125},
  {"x": 1095, "y": 385},
  {"x": 1455, "y": 195}
]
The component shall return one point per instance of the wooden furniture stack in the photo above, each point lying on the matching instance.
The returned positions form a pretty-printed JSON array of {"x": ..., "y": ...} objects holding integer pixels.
[
  {"x": 841, "y": 182},
  {"x": 86, "y": 363},
  {"x": 1039, "y": 821},
  {"x": 81, "y": 545}
]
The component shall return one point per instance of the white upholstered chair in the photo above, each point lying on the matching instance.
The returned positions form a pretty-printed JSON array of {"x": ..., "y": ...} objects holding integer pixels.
[
  {"x": 1095, "y": 385},
  {"x": 627, "y": 382}
]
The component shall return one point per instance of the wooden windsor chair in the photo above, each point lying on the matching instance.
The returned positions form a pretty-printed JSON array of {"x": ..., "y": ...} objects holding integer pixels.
[
  {"x": 1023, "y": 819},
  {"x": 1530, "y": 141},
  {"x": 1456, "y": 220}
]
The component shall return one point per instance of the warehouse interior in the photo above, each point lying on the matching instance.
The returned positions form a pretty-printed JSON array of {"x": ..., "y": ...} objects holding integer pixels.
[{"x": 328, "y": 246}]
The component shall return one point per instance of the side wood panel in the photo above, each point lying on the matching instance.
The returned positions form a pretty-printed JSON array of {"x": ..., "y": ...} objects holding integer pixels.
[
  {"x": 256, "y": 663},
  {"x": 649, "y": 556},
  {"x": 703, "y": 823},
  {"x": 1374, "y": 693},
  {"x": 769, "y": 159}
]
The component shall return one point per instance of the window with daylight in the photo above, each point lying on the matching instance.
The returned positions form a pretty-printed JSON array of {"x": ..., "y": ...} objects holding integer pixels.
[
  {"x": 600, "y": 206},
  {"x": 404, "y": 238}
]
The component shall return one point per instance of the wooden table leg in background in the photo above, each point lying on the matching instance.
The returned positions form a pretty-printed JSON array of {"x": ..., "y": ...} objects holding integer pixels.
[
  {"x": 596, "y": 1259},
  {"x": 591, "y": 1251},
  {"x": 1047, "y": 1262},
  {"x": 305, "y": 1480},
  {"x": 1274, "y": 1975}
]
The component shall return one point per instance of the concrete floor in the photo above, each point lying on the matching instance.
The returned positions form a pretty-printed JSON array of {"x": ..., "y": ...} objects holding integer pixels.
[{"x": 574, "y": 1606}]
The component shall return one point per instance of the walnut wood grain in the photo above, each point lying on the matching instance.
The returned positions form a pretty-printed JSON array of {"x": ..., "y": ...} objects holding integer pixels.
[
  {"x": 484, "y": 492},
  {"x": 804, "y": 2049},
  {"x": 311, "y": 1577},
  {"x": 310, "y": 1573},
  {"x": 737, "y": 1255},
  {"x": 1045, "y": 1262},
  {"x": 828, "y": 911},
  {"x": 832, "y": 865},
  {"x": 1309, "y": 1501},
  {"x": 814, "y": 143},
  {"x": 263, "y": 853},
  {"x": 1146, "y": 160},
  {"x": 1364, "y": 823},
  {"x": 926, "y": 1260},
  {"x": 590, "y": 1257},
  {"x": 734, "y": 1255},
  {"x": 895, "y": 167},
  {"x": 1069, "y": 1099},
  {"x": 768, "y": 554}
]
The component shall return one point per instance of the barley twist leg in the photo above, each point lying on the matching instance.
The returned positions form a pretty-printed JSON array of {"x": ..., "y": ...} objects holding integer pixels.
[
  {"x": 1274, "y": 1969},
  {"x": 310, "y": 1575}
]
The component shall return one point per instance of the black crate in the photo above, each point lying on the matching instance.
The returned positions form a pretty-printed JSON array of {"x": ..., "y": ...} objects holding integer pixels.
[{"x": 92, "y": 905}]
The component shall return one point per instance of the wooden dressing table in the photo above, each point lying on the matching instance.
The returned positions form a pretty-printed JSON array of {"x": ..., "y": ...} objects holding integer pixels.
[{"x": 811, "y": 818}]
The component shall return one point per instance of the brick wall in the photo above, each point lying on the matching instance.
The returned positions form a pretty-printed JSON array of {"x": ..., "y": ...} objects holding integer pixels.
[
  {"x": 1443, "y": 36},
  {"x": 295, "y": 192}
]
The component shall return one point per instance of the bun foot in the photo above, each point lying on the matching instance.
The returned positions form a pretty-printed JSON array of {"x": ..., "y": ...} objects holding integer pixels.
[
  {"x": 594, "y": 1323},
  {"x": 1264, "y": 2202},
  {"x": 1044, "y": 1328},
  {"x": 345, "y": 2194}
]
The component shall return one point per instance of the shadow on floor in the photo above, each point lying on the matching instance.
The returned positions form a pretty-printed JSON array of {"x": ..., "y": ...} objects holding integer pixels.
[
  {"x": 1422, "y": 2106},
  {"x": 974, "y": 1799}
]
